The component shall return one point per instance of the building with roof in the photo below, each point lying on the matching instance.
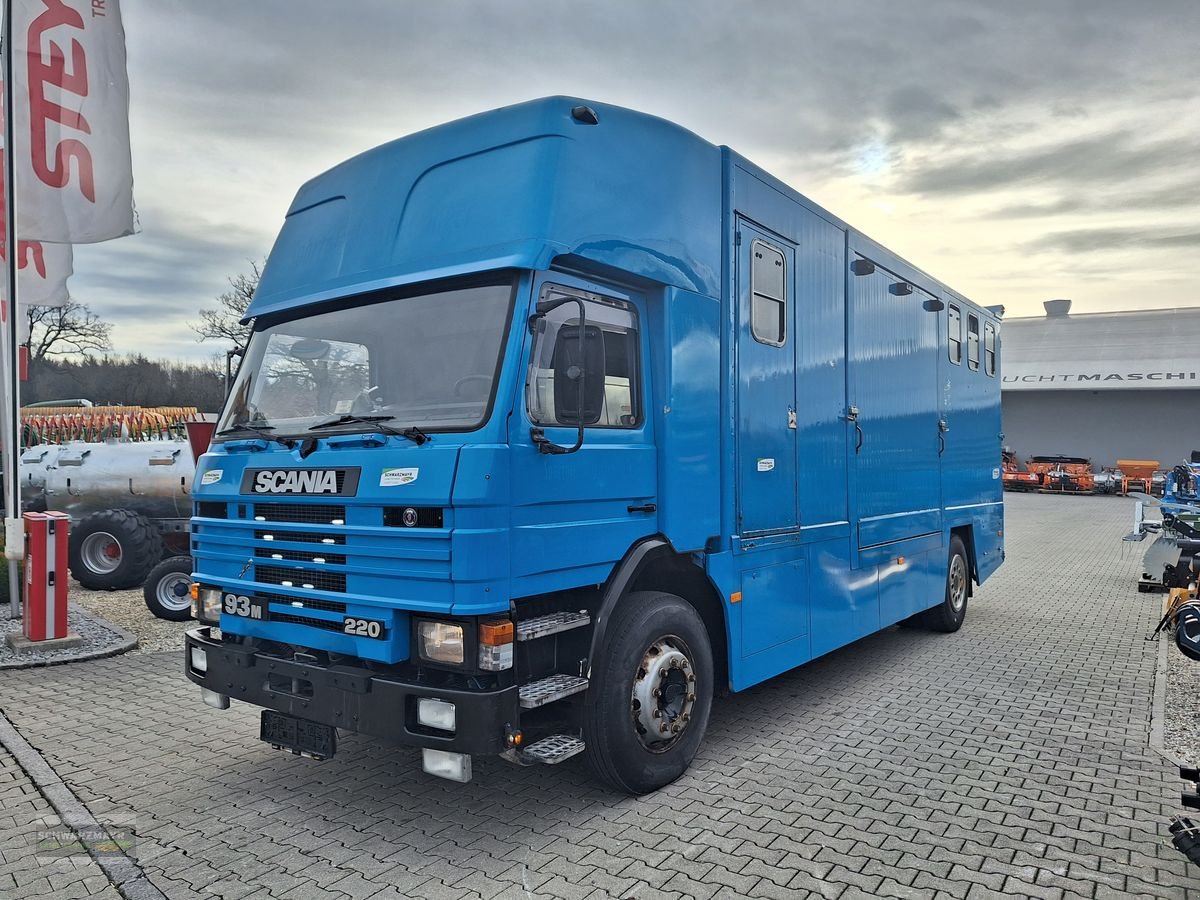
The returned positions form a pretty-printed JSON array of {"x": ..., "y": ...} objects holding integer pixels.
[{"x": 1108, "y": 386}]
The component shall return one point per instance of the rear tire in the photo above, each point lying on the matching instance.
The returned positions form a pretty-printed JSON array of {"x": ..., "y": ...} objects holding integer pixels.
[
  {"x": 647, "y": 708},
  {"x": 168, "y": 590},
  {"x": 948, "y": 615},
  {"x": 114, "y": 549}
]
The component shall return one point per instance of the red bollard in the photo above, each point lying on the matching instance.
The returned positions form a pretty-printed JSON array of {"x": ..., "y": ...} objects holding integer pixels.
[{"x": 45, "y": 616}]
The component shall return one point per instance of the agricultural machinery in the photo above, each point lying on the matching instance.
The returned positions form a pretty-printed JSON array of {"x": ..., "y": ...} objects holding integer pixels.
[
  {"x": 1171, "y": 560},
  {"x": 124, "y": 476}
]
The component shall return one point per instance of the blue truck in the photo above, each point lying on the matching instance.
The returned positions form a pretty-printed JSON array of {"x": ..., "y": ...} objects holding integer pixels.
[{"x": 557, "y": 421}]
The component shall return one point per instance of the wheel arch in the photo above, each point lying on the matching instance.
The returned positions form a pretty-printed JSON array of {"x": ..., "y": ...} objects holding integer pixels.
[
  {"x": 653, "y": 564},
  {"x": 966, "y": 533}
]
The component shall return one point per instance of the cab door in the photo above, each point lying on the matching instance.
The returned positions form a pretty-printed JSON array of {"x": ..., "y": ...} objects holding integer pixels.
[
  {"x": 576, "y": 513},
  {"x": 766, "y": 385}
]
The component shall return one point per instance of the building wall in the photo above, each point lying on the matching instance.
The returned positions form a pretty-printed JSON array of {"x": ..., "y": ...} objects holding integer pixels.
[{"x": 1103, "y": 425}]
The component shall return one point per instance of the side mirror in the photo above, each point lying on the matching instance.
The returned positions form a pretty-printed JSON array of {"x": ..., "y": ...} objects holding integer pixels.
[{"x": 578, "y": 375}]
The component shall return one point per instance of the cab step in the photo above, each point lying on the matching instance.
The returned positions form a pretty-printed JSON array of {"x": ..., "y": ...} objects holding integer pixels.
[
  {"x": 551, "y": 688},
  {"x": 551, "y": 623},
  {"x": 554, "y": 749}
]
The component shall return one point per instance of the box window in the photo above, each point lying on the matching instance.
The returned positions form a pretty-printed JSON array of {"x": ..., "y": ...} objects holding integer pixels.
[{"x": 768, "y": 295}]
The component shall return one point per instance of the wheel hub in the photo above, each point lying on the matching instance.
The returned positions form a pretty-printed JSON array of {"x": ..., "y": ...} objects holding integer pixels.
[
  {"x": 175, "y": 591},
  {"x": 958, "y": 583},
  {"x": 101, "y": 552},
  {"x": 664, "y": 693}
]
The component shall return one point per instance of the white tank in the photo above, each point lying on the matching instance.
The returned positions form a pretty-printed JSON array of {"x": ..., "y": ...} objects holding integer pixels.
[{"x": 153, "y": 478}]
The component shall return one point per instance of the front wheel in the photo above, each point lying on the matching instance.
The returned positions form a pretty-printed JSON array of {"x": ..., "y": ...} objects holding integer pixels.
[
  {"x": 949, "y": 614},
  {"x": 651, "y": 693},
  {"x": 168, "y": 590}
]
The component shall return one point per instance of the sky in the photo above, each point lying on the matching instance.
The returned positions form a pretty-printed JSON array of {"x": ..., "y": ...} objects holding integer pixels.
[{"x": 1018, "y": 150}]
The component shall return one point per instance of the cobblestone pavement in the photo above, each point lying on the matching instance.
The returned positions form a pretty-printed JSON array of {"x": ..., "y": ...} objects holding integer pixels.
[
  {"x": 24, "y": 816},
  {"x": 1010, "y": 758}
]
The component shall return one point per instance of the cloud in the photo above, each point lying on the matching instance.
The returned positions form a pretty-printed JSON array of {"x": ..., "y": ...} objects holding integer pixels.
[
  {"x": 1110, "y": 158},
  {"x": 1175, "y": 196},
  {"x": 930, "y": 126},
  {"x": 1091, "y": 240}
]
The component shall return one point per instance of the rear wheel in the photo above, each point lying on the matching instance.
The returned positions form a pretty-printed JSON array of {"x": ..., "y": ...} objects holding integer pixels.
[
  {"x": 949, "y": 614},
  {"x": 114, "y": 549},
  {"x": 651, "y": 693},
  {"x": 168, "y": 590}
]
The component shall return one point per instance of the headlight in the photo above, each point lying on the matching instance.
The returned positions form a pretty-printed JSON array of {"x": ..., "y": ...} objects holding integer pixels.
[
  {"x": 206, "y": 607},
  {"x": 441, "y": 642}
]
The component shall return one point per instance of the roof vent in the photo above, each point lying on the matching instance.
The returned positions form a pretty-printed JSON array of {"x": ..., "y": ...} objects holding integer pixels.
[{"x": 1056, "y": 308}]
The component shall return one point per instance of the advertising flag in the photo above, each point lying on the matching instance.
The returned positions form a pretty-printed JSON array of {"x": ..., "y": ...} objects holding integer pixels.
[
  {"x": 73, "y": 169},
  {"x": 42, "y": 269}
]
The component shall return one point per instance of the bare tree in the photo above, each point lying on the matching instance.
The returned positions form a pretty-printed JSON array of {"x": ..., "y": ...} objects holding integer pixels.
[
  {"x": 68, "y": 330},
  {"x": 225, "y": 322}
]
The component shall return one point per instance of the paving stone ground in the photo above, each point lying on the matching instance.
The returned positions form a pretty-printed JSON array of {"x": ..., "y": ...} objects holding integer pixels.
[
  {"x": 1011, "y": 758},
  {"x": 26, "y": 818}
]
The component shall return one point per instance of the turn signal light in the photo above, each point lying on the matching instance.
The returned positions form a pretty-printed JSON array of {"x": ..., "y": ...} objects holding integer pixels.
[
  {"x": 493, "y": 634},
  {"x": 495, "y": 646},
  {"x": 195, "y": 590}
]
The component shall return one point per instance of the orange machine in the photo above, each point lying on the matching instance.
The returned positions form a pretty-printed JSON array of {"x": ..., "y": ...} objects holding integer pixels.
[
  {"x": 1063, "y": 474},
  {"x": 1016, "y": 479},
  {"x": 1139, "y": 475}
]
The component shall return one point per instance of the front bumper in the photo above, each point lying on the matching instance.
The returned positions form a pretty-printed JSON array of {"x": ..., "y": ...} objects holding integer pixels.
[{"x": 352, "y": 698}]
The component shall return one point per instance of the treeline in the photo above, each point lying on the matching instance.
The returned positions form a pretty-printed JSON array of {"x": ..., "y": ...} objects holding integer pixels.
[{"x": 131, "y": 380}]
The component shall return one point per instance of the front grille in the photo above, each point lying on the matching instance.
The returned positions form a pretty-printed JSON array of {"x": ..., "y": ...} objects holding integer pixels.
[
  {"x": 316, "y": 513},
  {"x": 305, "y": 578},
  {"x": 300, "y": 537},
  {"x": 325, "y": 624},
  {"x": 325, "y": 605},
  {"x": 305, "y": 556},
  {"x": 311, "y": 623},
  {"x": 210, "y": 509}
]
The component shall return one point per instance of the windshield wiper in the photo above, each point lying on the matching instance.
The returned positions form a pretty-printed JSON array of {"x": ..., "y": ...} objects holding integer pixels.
[
  {"x": 263, "y": 431},
  {"x": 413, "y": 433}
]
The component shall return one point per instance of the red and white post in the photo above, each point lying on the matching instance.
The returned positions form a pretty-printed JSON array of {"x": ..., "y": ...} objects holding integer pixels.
[{"x": 45, "y": 616}]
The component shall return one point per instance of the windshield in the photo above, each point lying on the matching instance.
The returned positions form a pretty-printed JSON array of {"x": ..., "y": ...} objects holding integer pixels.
[{"x": 428, "y": 361}]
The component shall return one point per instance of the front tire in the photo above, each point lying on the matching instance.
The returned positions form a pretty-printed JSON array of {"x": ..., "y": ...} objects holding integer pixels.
[
  {"x": 168, "y": 590},
  {"x": 948, "y": 615},
  {"x": 652, "y": 687},
  {"x": 114, "y": 549}
]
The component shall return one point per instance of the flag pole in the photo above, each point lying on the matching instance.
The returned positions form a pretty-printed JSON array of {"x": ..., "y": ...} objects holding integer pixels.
[{"x": 14, "y": 536}]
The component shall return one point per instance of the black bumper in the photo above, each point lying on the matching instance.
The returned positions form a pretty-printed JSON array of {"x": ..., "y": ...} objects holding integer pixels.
[{"x": 352, "y": 698}]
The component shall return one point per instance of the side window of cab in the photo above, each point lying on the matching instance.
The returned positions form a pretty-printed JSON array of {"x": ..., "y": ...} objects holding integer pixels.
[{"x": 608, "y": 347}]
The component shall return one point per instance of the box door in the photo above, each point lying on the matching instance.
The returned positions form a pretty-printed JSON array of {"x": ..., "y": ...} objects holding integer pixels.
[
  {"x": 766, "y": 383},
  {"x": 894, "y": 361}
]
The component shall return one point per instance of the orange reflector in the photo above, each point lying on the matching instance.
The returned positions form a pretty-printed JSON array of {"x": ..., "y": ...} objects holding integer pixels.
[
  {"x": 899, "y": 560},
  {"x": 494, "y": 634},
  {"x": 195, "y": 590},
  {"x": 735, "y": 597}
]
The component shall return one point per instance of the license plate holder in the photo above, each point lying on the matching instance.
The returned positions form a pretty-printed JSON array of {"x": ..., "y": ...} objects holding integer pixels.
[{"x": 315, "y": 740}]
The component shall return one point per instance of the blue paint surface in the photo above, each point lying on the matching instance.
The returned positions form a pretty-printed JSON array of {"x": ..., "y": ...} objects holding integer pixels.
[{"x": 746, "y": 455}]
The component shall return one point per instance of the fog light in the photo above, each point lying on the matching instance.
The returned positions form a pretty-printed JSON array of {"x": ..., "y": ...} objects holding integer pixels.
[
  {"x": 454, "y": 766},
  {"x": 440, "y": 642},
  {"x": 214, "y": 699},
  {"x": 199, "y": 660},
  {"x": 436, "y": 714}
]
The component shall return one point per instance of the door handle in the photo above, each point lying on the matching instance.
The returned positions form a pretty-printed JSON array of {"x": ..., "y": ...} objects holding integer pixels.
[
  {"x": 645, "y": 507},
  {"x": 858, "y": 443}
]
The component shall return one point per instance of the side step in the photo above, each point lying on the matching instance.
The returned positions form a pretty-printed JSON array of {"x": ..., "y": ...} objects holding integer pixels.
[
  {"x": 554, "y": 749},
  {"x": 548, "y": 689},
  {"x": 551, "y": 623}
]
